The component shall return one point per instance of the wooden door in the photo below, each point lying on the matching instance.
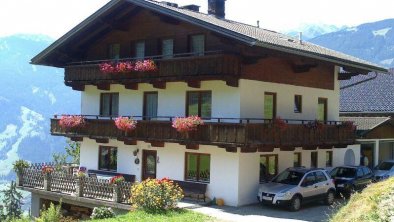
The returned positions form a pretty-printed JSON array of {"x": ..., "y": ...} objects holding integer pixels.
[{"x": 149, "y": 158}]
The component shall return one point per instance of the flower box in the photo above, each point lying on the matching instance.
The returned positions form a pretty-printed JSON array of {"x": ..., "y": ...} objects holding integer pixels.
[
  {"x": 70, "y": 121},
  {"x": 125, "y": 124},
  {"x": 128, "y": 66},
  {"x": 187, "y": 124}
]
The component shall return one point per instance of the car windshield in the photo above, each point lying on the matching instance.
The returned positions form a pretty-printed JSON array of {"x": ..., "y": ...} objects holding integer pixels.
[
  {"x": 343, "y": 172},
  {"x": 386, "y": 166},
  {"x": 289, "y": 177}
]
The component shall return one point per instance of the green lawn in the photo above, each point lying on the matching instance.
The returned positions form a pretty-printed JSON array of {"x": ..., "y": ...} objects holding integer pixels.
[{"x": 171, "y": 216}]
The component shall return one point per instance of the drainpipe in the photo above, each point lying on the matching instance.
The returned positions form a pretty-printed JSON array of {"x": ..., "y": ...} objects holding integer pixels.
[{"x": 362, "y": 81}]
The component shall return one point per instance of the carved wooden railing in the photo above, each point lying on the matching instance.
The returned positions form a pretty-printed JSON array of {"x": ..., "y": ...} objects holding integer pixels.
[
  {"x": 240, "y": 133},
  {"x": 69, "y": 184},
  {"x": 181, "y": 68}
]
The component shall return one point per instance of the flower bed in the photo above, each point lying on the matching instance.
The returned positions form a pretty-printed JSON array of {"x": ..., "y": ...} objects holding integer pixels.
[
  {"x": 186, "y": 124},
  {"x": 128, "y": 66},
  {"x": 70, "y": 121},
  {"x": 125, "y": 124}
]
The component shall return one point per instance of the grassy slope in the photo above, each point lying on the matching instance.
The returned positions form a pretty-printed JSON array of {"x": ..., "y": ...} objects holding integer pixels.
[
  {"x": 370, "y": 205},
  {"x": 172, "y": 216}
]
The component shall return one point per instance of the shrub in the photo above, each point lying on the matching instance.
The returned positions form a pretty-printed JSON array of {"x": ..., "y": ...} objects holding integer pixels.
[
  {"x": 155, "y": 195},
  {"x": 125, "y": 124},
  {"x": 102, "y": 213},
  {"x": 187, "y": 124},
  {"x": 52, "y": 214},
  {"x": 19, "y": 165}
]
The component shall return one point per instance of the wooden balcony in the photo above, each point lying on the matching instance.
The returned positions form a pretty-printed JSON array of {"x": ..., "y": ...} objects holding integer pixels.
[
  {"x": 250, "y": 135},
  {"x": 190, "y": 69}
]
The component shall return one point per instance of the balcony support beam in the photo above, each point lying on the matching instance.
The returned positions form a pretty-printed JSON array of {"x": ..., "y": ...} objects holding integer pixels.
[
  {"x": 130, "y": 142},
  {"x": 76, "y": 139},
  {"x": 101, "y": 140},
  {"x": 287, "y": 148},
  {"x": 249, "y": 149},
  {"x": 104, "y": 86},
  {"x": 192, "y": 146},
  {"x": 157, "y": 143},
  {"x": 231, "y": 149},
  {"x": 194, "y": 84},
  {"x": 266, "y": 148},
  {"x": 132, "y": 86},
  {"x": 309, "y": 147},
  {"x": 78, "y": 87},
  {"x": 159, "y": 85},
  {"x": 233, "y": 82}
]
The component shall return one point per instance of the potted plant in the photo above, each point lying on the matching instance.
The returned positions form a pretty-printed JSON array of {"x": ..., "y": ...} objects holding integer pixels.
[
  {"x": 71, "y": 121},
  {"x": 47, "y": 170},
  {"x": 125, "y": 124},
  {"x": 19, "y": 167},
  {"x": 187, "y": 124},
  {"x": 280, "y": 124},
  {"x": 117, "y": 179},
  {"x": 128, "y": 66}
]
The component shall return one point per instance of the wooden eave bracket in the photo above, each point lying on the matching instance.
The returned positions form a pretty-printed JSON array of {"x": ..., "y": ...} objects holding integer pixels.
[{"x": 302, "y": 68}]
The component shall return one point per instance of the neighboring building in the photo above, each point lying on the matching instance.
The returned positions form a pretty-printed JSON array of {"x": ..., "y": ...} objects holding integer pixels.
[
  {"x": 238, "y": 77},
  {"x": 368, "y": 100}
]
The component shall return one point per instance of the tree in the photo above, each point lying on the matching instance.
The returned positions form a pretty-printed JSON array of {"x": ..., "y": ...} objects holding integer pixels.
[
  {"x": 12, "y": 202},
  {"x": 73, "y": 150}
]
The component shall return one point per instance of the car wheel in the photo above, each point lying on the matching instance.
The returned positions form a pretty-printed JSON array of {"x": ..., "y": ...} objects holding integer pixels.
[
  {"x": 330, "y": 197},
  {"x": 295, "y": 203}
]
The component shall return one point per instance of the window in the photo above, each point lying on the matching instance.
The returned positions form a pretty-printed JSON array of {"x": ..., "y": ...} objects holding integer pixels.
[
  {"x": 309, "y": 180},
  {"x": 269, "y": 105},
  {"x": 150, "y": 105},
  {"x": 140, "y": 49},
  {"x": 297, "y": 160},
  {"x": 298, "y": 104},
  {"x": 199, "y": 104},
  {"x": 328, "y": 158},
  {"x": 198, "y": 167},
  {"x": 314, "y": 160},
  {"x": 167, "y": 48},
  {"x": 197, "y": 44},
  {"x": 109, "y": 104},
  {"x": 360, "y": 172},
  {"x": 367, "y": 171},
  {"x": 268, "y": 167},
  {"x": 322, "y": 109},
  {"x": 320, "y": 177},
  {"x": 114, "y": 51},
  {"x": 108, "y": 157}
]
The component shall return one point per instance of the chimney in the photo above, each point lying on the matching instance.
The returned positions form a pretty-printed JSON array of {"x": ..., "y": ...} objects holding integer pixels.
[
  {"x": 194, "y": 8},
  {"x": 217, "y": 8},
  {"x": 300, "y": 37},
  {"x": 170, "y": 4}
]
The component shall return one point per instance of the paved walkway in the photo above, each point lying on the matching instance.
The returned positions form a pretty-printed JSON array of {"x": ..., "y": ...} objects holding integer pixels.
[{"x": 313, "y": 212}]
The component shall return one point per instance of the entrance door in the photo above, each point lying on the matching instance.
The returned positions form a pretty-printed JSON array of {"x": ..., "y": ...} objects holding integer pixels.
[
  {"x": 150, "y": 105},
  {"x": 149, "y": 164},
  {"x": 367, "y": 155}
]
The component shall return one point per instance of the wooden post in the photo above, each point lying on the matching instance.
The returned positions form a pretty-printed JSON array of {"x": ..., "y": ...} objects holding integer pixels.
[
  {"x": 117, "y": 195},
  {"x": 47, "y": 181},
  {"x": 79, "y": 187}
]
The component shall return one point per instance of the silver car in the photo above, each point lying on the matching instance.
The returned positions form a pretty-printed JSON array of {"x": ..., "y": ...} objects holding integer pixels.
[
  {"x": 296, "y": 186},
  {"x": 384, "y": 170}
]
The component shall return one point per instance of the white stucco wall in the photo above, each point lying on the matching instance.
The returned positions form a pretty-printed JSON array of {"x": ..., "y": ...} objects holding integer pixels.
[
  {"x": 171, "y": 101},
  {"x": 252, "y": 100}
]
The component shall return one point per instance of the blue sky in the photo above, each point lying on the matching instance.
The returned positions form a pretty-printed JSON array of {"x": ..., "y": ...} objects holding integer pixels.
[{"x": 56, "y": 17}]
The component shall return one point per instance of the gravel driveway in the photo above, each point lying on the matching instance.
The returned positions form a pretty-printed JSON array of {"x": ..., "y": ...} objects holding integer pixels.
[{"x": 251, "y": 213}]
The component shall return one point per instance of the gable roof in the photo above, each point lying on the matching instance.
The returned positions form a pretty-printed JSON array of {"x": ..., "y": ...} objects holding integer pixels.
[
  {"x": 373, "y": 96},
  {"x": 365, "y": 123},
  {"x": 251, "y": 35}
]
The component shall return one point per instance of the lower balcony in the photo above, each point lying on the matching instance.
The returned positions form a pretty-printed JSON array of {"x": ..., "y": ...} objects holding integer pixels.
[{"x": 251, "y": 135}]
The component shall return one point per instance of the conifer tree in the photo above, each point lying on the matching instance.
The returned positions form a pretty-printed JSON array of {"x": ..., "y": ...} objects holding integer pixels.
[{"x": 12, "y": 202}]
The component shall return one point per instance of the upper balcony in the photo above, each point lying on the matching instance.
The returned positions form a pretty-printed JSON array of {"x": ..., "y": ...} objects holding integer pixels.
[
  {"x": 185, "y": 67},
  {"x": 250, "y": 134}
]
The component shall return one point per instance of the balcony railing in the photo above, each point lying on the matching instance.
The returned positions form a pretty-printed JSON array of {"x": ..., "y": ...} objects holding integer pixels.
[
  {"x": 65, "y": 183},
  {"x": 222, "y": 132},
  {"x": 182, "y": 67}
]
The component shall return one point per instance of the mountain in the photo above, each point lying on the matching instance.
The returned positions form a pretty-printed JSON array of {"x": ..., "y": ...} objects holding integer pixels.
[
  {"x": 310, "y": 31},
  {"x": 371, "y": 41},
  {"x": 29, "y": 96}
]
